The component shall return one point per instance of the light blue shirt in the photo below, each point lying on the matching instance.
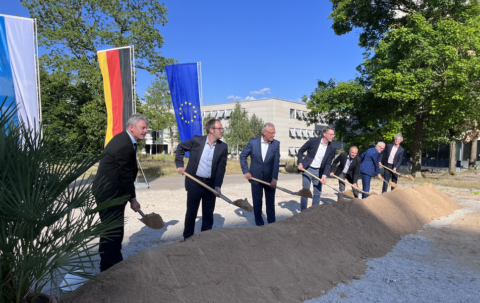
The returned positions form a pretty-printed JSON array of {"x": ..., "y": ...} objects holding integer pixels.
[{"x": 204, "y": 169}]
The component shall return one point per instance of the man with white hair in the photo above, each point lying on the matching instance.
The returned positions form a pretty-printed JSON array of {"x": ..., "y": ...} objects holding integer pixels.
[
  {"x": 119, "y": 169},
  {"x": 370, "y": 166},
  {"x": 264, "y": 155},
  {"x": 392, "y": 157}
]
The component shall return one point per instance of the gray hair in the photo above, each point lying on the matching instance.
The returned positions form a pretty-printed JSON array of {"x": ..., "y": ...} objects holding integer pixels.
[
  {"x": 381, "y": 143},
  {"x": 135, "y": 118},
  {"x": 267, "y": 125},
  {"x": 397, "y": 136}
]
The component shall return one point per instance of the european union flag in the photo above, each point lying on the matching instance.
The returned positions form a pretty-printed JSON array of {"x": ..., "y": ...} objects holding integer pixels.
[{"x": 183, "y": 82}]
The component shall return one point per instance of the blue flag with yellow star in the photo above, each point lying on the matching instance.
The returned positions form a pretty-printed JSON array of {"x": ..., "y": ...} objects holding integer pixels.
[{"x": 183, "y": 82}]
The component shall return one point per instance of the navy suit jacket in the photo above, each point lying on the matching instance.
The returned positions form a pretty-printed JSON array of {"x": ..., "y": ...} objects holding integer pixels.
[
  {"x": 311, "y": 146},
  {"x": 195, "y": 146},
  {"x": 397, "y": 160},
  {"x": 263, "y": 170},
  {"x": 370, "y": 160}
]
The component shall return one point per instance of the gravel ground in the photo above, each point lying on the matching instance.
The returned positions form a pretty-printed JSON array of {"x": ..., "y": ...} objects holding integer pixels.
[{"x": 419, "y": 269}]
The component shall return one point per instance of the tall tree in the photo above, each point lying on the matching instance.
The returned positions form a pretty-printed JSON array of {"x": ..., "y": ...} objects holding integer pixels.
[
  {"x": 159, "y": 108},
  {"x": 431, "y": 70},
  {"x": 239, "y": 130},
  {"x": 257, "y": 125},
  {"x": 73, "y": 32}
]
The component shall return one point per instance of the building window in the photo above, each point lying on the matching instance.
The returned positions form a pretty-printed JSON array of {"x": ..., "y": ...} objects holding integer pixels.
[
  {"x": 299, "y": 133},
  {"x": 228, "y": 112},
  {"x": 292, "y": 132},
  {"x": 292, "y": 114},
  {"x": 292, "y": 151}
]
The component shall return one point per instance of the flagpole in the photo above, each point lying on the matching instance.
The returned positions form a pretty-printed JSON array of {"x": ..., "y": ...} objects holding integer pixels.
[{"x": 200, "y": 90}]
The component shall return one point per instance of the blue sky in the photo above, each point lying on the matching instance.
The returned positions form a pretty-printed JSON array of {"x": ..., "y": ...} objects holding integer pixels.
[{"x": 252, "y": 49}]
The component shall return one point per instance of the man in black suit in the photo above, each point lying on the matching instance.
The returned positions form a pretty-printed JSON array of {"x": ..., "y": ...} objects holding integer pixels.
[
  {"x": 349, "y": 169},
  {"x": 208, "y": 162},
  {"x": 318, "y": 161},
  {"x": 119, "y": 169},
  {"x": 392, "y": 158}
]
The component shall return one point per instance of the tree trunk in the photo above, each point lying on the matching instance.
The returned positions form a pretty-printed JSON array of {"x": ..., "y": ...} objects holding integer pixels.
[
  {"x": 171, "y": 140},
  {"x": 472, "y": 163},
  {"x": 452, "y": 159},
  {"x": 417, "y": 148}
]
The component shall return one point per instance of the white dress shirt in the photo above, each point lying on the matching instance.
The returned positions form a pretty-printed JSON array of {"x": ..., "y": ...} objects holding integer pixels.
[
  {"x": 392, "y": 154},
  {"x": 264, "y": 145},
  {"x": 317, "y": 161},
  {"x": 204, "y": 169},
  {"x": 347, "y": 164}
]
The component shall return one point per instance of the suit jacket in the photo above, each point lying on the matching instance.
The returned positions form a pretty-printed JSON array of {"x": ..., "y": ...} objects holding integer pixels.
[
  {"x": 195, "y": 146},
  {"x": 118, "y": 168},
  {"x": 353, "y": 170},
  {"x": 397, "y": 160},
  {"x": 263, "y": 170},
  {"x": 311, "y": 146},
  {"x": 370, "y": 160}
]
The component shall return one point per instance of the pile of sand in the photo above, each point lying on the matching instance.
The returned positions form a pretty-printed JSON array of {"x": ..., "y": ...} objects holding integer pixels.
[{"x": 288, "y": 261}]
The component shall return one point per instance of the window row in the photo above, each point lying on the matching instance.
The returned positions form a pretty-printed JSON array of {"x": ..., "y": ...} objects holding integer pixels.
[
  {"x": 298, "y": 114},
  {"x": 220, "y": 114},
  {"x": 301, "y": 133},
  {"x": 293, "y": 151}
]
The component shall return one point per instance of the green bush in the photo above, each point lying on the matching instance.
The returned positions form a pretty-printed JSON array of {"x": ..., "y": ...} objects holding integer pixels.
[{"x": 48, "y": 212}]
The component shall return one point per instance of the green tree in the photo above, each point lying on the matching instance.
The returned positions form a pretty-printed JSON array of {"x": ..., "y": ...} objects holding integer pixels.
[
  {"x": 73, "y": 32},
  {"x": 239, "y": 130},
  {"x": 431, "y": 70},
  {"x": 257, "y": 125},
  {"x": 159, "y": 108}
]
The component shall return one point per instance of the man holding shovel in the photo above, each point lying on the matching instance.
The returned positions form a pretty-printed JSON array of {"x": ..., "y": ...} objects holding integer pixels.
[
  {"x": 370, "y": 166},
  {"x": 392, "y": 158},
  {"x": 318, "y": 161},
  {"x": 349, "y": 169},
  {"x": 207, "y": 163},
  {"x": 264, "y": 155},
  {"x": 119, "y": 169}
]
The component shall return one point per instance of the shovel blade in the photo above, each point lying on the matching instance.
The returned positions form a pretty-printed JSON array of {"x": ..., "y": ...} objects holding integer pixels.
[
  {"x": 243, "y": 204},
  {"x": 372, "y": 193},
  {"x": 304, "y": 192},
  {"x": 393, "y": 184},
  {"x": 153, "y": 220},
  {"x": 409, "y": 177},
  {"x": 348, "y": 194}
]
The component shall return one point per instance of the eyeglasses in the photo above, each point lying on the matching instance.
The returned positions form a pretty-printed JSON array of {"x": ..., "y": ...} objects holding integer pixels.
[
  {"x": 272, "y": 133},
  {"x": 221, "y": 128}
]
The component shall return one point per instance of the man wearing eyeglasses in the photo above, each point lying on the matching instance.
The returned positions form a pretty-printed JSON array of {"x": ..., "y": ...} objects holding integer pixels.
[
  {"x": 318, "y": 161},
  {"x": 264, "y": 155},
  {"x": 207, "y": 163}
]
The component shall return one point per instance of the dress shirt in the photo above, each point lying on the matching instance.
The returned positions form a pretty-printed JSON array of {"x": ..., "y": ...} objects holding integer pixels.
[
  {"x": 392, "y": 154},
  {"x": 204, "y": 169},
  {"x": 317, "y": 162},
  {"x": 347, "y": 164},
  {"x": 264, "y": 146}
]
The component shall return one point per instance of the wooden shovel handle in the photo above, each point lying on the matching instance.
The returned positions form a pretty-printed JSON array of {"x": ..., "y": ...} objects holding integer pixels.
[
  {"x": 390, "y": 170},
  {"x": 350, "y": 184},
  {"x": 320, "y": 180},
  {"x": 260, "y": 181},
  {"x": 201, "y": 183}
]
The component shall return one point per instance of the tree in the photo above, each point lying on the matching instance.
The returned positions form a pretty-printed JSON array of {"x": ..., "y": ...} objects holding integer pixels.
[
  {"x": 159, "y": 108},
  {"x": 73, "y": 32},
  {"x": 239, "y": 130},
  {"x": 257, "y": 125},
  {"x": 431, "y": 70}
]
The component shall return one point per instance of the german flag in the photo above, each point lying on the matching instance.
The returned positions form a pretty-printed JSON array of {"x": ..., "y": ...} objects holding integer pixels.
[{"x": 116, "y": 67}]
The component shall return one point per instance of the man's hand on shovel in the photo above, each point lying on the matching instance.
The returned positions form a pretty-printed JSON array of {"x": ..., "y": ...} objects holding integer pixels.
[
  {"x": 273, "y": 184},
  {"x": 135, "y": 205}
]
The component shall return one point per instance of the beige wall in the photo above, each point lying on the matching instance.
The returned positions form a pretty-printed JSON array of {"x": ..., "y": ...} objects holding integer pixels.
[{"x": 277, "y": 112}]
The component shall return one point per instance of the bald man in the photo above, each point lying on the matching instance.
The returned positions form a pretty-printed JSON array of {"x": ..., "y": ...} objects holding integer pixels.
[{"x": 348, "y": 169}]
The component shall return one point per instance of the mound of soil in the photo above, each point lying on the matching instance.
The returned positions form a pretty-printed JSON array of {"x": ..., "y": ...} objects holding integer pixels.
[{"x": 288, "y": 261}]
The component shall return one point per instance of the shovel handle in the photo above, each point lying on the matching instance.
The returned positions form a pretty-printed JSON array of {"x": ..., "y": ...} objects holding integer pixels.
[
  {"x": 278, "y": 187},
  {"x": 141, "y": 213},
  {"x": 325, "y": 182},
  {"x": 260, "y": 181},
  {"x": 207, "y": 187},
  {"x": 391, "y": 170},
  {"x": 350, "y": 184}
]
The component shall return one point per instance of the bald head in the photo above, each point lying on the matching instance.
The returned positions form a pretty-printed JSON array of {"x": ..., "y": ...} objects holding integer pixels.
[{"x": 353, "y": 152}]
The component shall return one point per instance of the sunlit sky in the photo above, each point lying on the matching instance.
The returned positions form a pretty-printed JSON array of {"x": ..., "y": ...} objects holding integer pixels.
[{"x": 252, "y": 49}]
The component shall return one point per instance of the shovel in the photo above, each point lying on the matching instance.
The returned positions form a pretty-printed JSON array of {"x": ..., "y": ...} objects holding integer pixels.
[
  {"x": 346, "y": 193},
  {"x": 389, "y": 183},
  {"x": 372, "y": 193},
  {"x": 242, "y": 203},
  {"x": 410, "y": 177},
  {"x": 304, "y": 192},
  {"x": 153, "y": 220}
]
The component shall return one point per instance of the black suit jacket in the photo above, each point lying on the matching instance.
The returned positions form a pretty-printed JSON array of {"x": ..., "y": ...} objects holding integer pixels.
[
  {"x": 353, "y": 170},
  {"x": 311, "y": 146},
  {"x": 118, "y": 168},
  {"x": 397, "y": 160},
  {"x": 195, "y": 146}
]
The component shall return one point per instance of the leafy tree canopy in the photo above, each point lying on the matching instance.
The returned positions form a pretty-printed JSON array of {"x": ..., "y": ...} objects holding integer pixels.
[{"x": 239, "y": 130}]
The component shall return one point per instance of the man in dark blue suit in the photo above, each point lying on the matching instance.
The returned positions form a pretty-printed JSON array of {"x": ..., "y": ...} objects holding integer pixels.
[
  {"x": 208, "y": 162},
  {"x": 264, "y": 155},
  {"x": 370, "y": 167},
  {"x": 318, "y": 161},
  {"x": 392, "y": 157}
]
